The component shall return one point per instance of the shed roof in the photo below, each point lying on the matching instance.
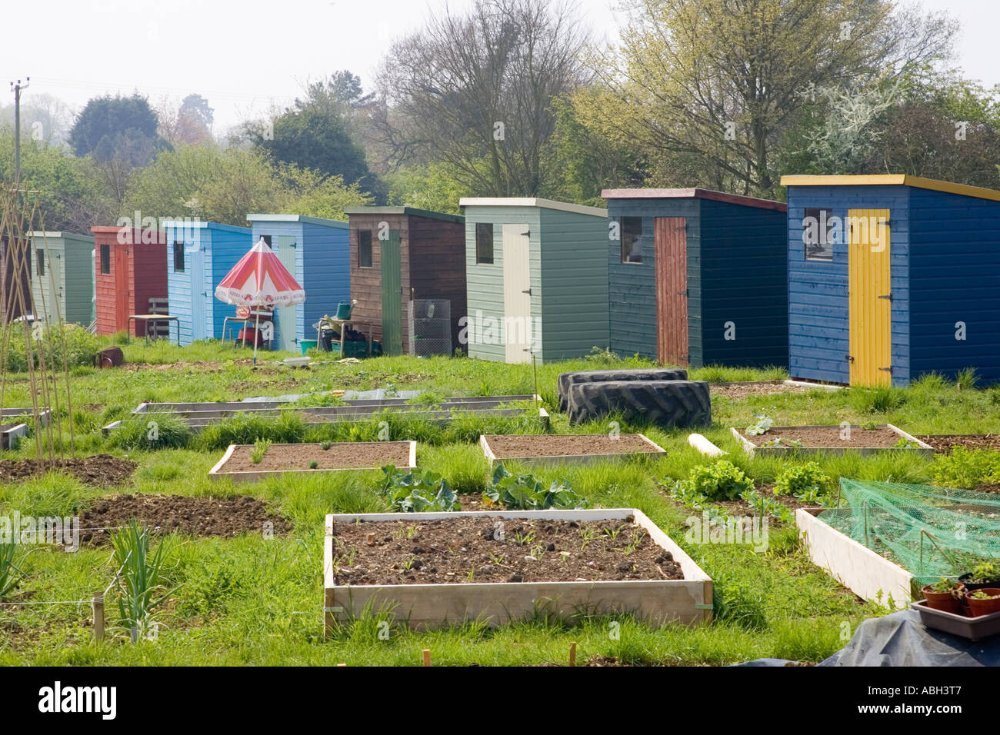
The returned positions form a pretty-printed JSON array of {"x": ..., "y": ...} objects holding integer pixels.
[
  {"x": 531, "y": 202},
  {"x": 336, "y": 223},
  {"x": 893, "y": 180},
  {"x": 203, "y": 225},
  {"x": 408, "y": 212},
  {"x": 56, "y": 235},
  {"x": 694, "y": 193}
]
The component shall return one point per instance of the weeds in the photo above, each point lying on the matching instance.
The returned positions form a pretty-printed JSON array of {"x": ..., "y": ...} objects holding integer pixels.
[{"x": 140, "y": 579}]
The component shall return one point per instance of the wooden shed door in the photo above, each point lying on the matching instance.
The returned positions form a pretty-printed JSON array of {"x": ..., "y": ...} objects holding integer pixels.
[
  {"x": 392, "y": 295},
  {"x": 286, "y": 317},
  {"x": 670, "y": 239},
  {"x": 517, "y": 321},
  {"x": 870, "y": 297},
  {"x": 199, "y": 298},
  {"x": 124, "y": 290}
]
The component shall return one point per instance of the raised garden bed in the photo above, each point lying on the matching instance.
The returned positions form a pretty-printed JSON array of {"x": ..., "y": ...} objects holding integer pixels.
[
  {"x": 14, "y": 424},
  {"x": 190, "y": 515},
  {"x": 101, "y": 470},
  {"x": 293, "y": 459},
  {"x": 867, "y": 574},
  {"x": 947, "y": 442},
  {"x": 199, "y": 415},
  {"x": 830, "y": 439},
  {"x": 434, "y": 569},
  {"x": 556, "y": 448}
]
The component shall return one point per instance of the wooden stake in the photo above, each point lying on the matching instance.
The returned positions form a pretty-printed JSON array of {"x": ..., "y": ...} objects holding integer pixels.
[
  {"x": 427, "y": 657},
  {"x": 98, "y": 618},
  {"x": 572, "y": 654}
]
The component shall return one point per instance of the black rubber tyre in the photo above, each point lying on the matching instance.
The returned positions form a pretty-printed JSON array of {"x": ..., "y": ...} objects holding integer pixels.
[
  {"x": 603, "y": 376},
  {"x": 666, "y": 403}
]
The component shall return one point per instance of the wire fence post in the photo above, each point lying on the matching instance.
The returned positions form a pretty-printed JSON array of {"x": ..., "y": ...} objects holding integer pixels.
[{"x": 98, "y": 605}]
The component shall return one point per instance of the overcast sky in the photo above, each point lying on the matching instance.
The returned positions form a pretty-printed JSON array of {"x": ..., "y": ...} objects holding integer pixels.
[{"x": 246, "y": 55}]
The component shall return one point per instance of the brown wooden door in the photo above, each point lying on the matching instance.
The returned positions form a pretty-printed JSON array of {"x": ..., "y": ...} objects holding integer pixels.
[
  {"x": 123, "y": 294},
  {"x": 670, "y": 239}
]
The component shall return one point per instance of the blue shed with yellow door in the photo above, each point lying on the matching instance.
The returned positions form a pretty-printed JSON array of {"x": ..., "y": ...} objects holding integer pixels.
[{"x": 892, "y": 277}]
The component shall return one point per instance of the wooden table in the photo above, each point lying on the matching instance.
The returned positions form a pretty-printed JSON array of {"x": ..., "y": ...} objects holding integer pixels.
[{"x": 148, "y": 319}]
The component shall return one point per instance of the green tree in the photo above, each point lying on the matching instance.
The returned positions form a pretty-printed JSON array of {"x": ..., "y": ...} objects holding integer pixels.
[{"x": 117, "y": 127}]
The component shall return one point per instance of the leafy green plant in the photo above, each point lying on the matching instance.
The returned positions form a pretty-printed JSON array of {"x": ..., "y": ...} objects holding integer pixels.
[
  {"x": 981, "y": 595},
  {"x": 314, "y": 465},
  {"x": 761, "y": 426},
  {"x": 943, "y": 585},
  {"x": 10, "y": 572},
  {"x": 259, "y": 450},
  {"x": 780, "y": 443},
  {"x": 150, "y": 432},
  {"x": 140, "y": 579},
  {"x": 415, "y": 491},
  {"x": 525, "y": 492},
  {"x": 720, "y": 480},
  {"x": 801, "y": 480},
  {"x": 966, "y": 468},
  {"x": 325, "y": 445},
  {"x": 985, "y": 572},
  {"x": 768, "y": 506},
  {"x": 877, "y": 400}
]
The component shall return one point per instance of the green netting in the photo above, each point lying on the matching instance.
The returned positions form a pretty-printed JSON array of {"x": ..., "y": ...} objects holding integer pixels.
[{"x": 932, "y": 532}]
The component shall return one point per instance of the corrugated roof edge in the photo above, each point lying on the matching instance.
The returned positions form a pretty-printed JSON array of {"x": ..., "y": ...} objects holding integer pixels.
[
  {"x": 335, "y": 223},
  {"x": 695, "y": 193},
  {"x": 917, "y": 182},
  {"x": 408, "y": 211},
  {"x": 531, "y": 202}
]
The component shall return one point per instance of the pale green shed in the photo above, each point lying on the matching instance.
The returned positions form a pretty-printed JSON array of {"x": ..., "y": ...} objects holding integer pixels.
[
  {"x": 62, "y": 277},
  {"x": 537, "y": 275}
]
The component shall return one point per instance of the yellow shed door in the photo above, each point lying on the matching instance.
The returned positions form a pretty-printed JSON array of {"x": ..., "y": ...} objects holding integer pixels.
[{"x": 870, "y": 297}]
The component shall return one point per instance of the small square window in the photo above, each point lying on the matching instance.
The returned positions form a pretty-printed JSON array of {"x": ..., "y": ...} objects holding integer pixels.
[
  {"x": 484, "y": 242},
  {"x": 178, "y": 257},
  {"x": 40, "y": 254},
  {"x": 631, "y": 236},
  {"x": 105, "y": 259},
  {"x": 266, "y": 239},
  {"x": 364, "y": 248},
  {"x": 818, "y": 233}
]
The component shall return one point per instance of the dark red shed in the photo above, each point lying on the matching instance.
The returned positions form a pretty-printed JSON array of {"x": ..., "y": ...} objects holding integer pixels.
[{"x": 130, "y": 270}]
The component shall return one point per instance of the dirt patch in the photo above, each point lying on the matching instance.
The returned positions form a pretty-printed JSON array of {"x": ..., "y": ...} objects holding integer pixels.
[
  {"x": 566, "y": 445},
  {"x": 739, "y": 391},
  {"x": 339, "y": 455},
  {"x": 947, "y": 442},
  {"x": 101, "y": 470},
  {"x": 476, "y": 550},
  {"x": 193, "y": 516},
  {"x": 829, "y": 437}
]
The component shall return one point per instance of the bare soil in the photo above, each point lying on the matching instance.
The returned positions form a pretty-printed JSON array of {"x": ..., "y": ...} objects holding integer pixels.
[
  {"x": 829, "y": 437},
  {"x": 340, "y": 455},
  {"x": 550, "y": 445},
  {"x": 947, "y": 442},
  {"x": 193, "y": 516},
  {"x": 101, "y": 470},
  {"x": 475, "y": 550}
]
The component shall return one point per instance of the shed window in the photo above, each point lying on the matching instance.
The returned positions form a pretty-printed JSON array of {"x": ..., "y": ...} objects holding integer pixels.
[
  {"x": 484, "y": 242},
  {"x": 631, "y": 236},
  {"x": 40, "y": 254},
  {"x": 178, "y": 257},
  {"x": 819, "y": 232},
  {"x": 266, "y": 239},
  {"x": 364, "y": 248},
  {"x": 105, "y": 259}
]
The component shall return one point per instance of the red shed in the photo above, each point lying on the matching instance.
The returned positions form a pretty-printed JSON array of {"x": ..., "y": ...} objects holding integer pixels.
[{"x": 130, "y": 270}]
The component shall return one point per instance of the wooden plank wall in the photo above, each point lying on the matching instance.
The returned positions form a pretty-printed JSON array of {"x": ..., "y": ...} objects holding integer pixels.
[{"x": 437, "y": 268}]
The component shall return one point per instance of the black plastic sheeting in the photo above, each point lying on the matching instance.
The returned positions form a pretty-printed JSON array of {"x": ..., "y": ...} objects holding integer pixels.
[{"x": 900, "y": 639}]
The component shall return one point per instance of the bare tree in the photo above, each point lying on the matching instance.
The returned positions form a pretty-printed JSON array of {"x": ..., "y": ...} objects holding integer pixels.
[{"x": 475, "y": 91}]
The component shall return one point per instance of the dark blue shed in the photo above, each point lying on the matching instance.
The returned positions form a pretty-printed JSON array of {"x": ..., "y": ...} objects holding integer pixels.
[
  {"x": 892, "y": 277},
  {"x": 316, "y": 252},
  {"x": 697, "y": 277}
]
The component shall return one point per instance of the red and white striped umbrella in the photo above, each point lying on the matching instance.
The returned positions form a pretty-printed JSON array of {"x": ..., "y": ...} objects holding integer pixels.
[{"x": 260, "y": 280}]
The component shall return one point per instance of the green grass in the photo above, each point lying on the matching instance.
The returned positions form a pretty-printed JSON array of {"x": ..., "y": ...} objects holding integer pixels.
[{"x": 254, "y": 600}]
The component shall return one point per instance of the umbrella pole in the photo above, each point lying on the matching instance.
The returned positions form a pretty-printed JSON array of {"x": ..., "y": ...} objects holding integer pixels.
[{"x": 256, "y": 337}]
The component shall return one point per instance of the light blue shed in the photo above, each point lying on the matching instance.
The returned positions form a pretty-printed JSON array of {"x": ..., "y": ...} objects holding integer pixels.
[
  {"x": 316, "y": 252},
  {"x": 199, "y": 255}
]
